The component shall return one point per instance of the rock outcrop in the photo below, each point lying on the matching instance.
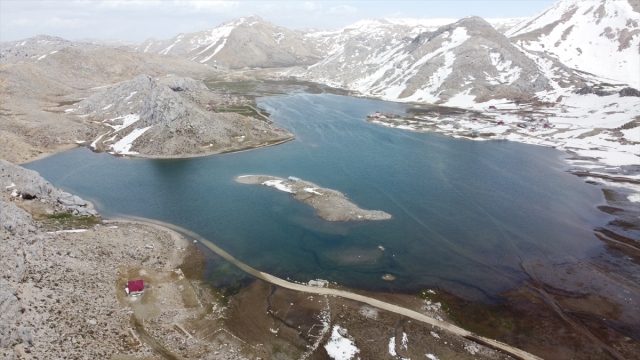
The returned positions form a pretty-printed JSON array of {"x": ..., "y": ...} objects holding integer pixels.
[
  {"x": 29, "y": 185},
  {"x": 172, "y": 117},
  {"x": 628, "y": 91}
]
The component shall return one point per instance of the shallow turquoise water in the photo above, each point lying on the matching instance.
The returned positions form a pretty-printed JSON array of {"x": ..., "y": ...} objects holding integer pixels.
[{"x": 466, "y": 215}]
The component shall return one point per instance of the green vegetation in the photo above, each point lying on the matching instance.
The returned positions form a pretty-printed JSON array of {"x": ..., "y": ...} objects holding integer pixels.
[
  {"x": 236, "y": 87},
  {"x": 276, "y": 348},
  {"x": 245, "y": 110},
  {"x": 65, "y": 221},
  {"x": 229, "y": 291}
]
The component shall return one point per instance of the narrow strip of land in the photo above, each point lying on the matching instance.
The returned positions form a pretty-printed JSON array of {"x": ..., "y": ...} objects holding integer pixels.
[{"x": 508, "y": 349}]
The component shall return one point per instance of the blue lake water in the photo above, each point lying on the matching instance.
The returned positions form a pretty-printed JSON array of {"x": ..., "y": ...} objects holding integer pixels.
[{"x": 467, "y": 215}]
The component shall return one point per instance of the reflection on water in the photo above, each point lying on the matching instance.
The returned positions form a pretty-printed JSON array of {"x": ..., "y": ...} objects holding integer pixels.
[{"x": 466, "y": 214}]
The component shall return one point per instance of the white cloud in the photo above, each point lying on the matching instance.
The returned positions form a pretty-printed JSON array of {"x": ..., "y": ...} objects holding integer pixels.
[
  {"x": 212, "y": 6},
  {"x": 70, "y": 23},
  {"x": 343, "y": 9},
  {"x": 128, "y": 5},
  {"x": 140, "y": 19},
  {"x": 310, "y": 6},
  {"x": 22, "y": 22}
]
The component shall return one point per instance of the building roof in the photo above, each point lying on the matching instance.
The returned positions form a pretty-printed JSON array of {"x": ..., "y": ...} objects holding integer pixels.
[{"x": 135, "y": 285}]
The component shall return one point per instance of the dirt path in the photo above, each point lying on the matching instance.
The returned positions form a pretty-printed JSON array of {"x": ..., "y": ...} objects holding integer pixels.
[
  {"x": 494, "y": 344},
  {"x": 260, "y": 113},
  {"x": 151, "y": 341}
]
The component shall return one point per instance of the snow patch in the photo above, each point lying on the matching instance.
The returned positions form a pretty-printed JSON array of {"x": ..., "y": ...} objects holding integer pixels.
[
  {"x": 339, "y": 347},
  {"x": 278, "y": 185},
  {"x": 124, "y": 145},
  {"x": 312, "y": 190}
]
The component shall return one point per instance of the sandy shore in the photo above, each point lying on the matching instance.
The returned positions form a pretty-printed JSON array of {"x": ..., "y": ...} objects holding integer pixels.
[{"x": 331, "y": 205}]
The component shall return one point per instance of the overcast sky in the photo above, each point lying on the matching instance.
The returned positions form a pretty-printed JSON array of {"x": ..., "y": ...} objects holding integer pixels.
[{"x": 139, "y": 20}]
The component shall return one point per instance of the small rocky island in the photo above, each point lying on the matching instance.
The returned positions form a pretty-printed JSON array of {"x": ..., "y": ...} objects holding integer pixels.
[{"x": 331, "y": 205}]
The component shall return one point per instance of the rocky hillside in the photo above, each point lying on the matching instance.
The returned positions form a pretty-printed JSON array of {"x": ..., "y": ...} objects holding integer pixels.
[
  {"x": 598, "y": 36},
  {"x": 245, "y": 42},
  {"x": 172, "y": 116},
  {"x": 38, "y": 47},
  {"x": 20, "y": 183},
  {"x": 35, "y": 48},
  {"x": 36, "y": 91},
  {"x": 466, "y": 60}
]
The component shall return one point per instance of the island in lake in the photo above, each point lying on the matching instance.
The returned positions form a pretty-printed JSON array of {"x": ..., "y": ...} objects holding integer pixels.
[{"x": 332, "y": 205}]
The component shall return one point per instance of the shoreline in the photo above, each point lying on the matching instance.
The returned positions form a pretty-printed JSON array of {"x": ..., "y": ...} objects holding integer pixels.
[
  {"x": 194, "y": 156},
  {"x": 493, "y": 344},
  {"x": 59, "y": 149}
]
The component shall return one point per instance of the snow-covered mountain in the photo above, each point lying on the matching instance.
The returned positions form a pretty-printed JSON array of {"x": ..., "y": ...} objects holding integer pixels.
[
  {"x": 598, "y": 36},
  {"x": 244, "y": 42},
  {"x": 464, "y": 61}
]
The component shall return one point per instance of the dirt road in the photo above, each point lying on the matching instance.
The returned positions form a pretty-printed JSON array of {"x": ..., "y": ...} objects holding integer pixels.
[{"x": 512, "y": 351}]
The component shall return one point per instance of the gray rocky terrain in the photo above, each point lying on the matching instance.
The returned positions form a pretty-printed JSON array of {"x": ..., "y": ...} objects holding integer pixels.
[
  {"x": 172, "y": 116},
  {"x": 244, "y": 42},
  {"x": 37, "y": 115},
  {"x": 35, "y": 48},
  {"x": 21, "y": 183}
]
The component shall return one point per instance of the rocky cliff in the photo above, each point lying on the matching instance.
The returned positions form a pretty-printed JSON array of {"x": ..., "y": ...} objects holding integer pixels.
[{"x": 29, "y": 185}]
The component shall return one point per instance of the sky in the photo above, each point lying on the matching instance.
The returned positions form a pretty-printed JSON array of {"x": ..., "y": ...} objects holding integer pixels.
[{"x": 139, "y": 20}]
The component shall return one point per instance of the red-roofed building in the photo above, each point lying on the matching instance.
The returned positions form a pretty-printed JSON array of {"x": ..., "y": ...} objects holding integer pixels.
[{"x": 135, "y": 287}]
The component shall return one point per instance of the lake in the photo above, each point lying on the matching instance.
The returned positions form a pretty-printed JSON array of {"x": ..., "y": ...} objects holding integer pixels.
[{"x": 468, "y": 216}]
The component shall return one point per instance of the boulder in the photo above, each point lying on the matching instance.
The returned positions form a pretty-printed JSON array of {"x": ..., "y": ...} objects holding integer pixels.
[{"x": 628, "y": 91}]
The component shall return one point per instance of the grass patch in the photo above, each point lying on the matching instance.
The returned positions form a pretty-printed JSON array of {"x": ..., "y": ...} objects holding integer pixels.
[
  {"x": 66, "y": 221},
  {"x": 245, "y": 110}
]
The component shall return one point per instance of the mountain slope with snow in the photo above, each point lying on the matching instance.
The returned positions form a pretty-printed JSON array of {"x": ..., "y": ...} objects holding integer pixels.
[
  {"x": 598, "y": 36},
  {"x": 244, "y": 42},
  {"x": 460, "y": 63}
]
